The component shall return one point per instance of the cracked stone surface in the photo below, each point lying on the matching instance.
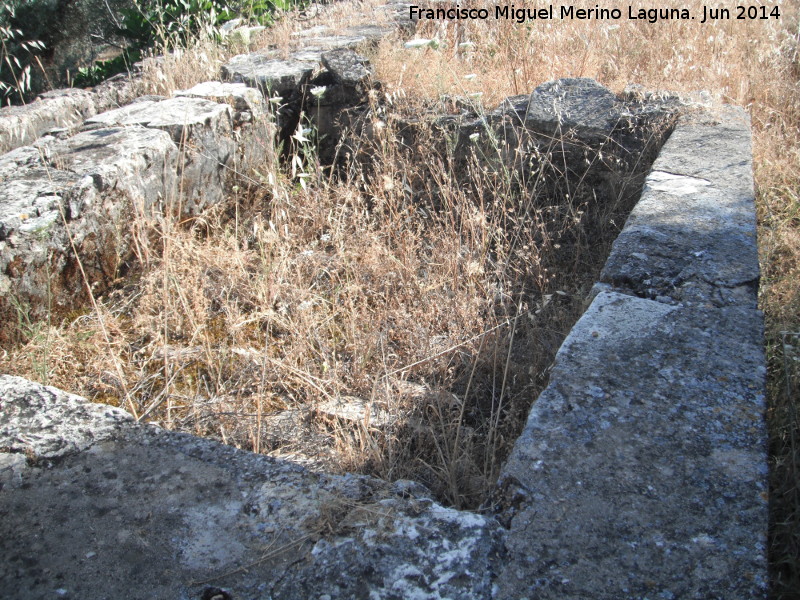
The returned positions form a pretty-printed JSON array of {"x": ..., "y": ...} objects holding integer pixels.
[
  {"x": 201, "y": 127},
  {"x": 692, "y": 236},
  {"x": 642, "y": 469},
  {"x": 243, "y": 99},
  {"x": 95, "y": 506},
  {"x": 273, "y": 76},
  {"x": 574, "y": 104},
  {"x": 98, "y": 183},
  {"x": 21, "y": 125}
]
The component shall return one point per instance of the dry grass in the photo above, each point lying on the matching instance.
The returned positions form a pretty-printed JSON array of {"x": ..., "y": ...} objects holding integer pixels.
[
  {"x": 438, "y": 305},
  {"x": 436, "y": 302}
]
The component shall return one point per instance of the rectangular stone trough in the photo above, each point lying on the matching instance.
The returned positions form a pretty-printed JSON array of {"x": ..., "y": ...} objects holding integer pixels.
[{"x": 641, "y": 471}]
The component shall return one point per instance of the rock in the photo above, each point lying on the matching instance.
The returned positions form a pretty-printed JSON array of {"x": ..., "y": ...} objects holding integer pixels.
[
  {"x": 45, "y": 423},
  {"x": 641, "y": 470},
  {"x": 203, "y": 129},
  {"x": 243, "y": 99},
  {"x": 283, "y": 81},
  {"x": 21, "y": 125},
  {"x": 356, "y": 411},
  {"x": 271, "y": 75},
  {"x": 692, "y": 236},
  {"x": 343, "y": 84},
  {"x": 323, "y": 77},
  {"x": 347, "y": 67},
  {"x": 579, "y": 105},
  {"x": 193, "y": 514},
  {"x": 350, "y": 37},
  {"x": 582, "y": 130},
  {"x": 104, "y": 184},
  {"x": 117, "y": 91},
  {"x": 253, "y": 122}
]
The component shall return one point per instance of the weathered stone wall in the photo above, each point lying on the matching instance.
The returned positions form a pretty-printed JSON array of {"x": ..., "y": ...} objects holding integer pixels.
[
  {"x": 641, "y": 471},
  {"x": 76, "y": 207}
]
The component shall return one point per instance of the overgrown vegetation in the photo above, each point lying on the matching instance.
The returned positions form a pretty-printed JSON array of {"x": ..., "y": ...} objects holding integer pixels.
[
  {"x": 174, "y": 24},
  {"x": 123, "y": 31},
  {"x": 436, "y": 300}
]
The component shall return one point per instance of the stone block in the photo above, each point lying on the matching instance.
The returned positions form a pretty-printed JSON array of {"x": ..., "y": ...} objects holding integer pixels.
[
  {"x": 21, "y": 125},
  {"x": 692, "y": 236},
  {"x": 203, "y": 131},
  {"x": 253, "y": 122},
  {"x": 92, "y": 502},
  {"x": 642, "y": 469},
  {"x": 272, "y": 75},
  {"x": 86, "y": 193}
]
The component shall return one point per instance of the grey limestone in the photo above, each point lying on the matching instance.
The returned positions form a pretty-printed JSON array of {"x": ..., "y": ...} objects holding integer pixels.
[
  {"x": 21, "y": 125},
  {"x": 692, "y": 236},
  {"x": 242, "y": 98},
  {"x": 203, "y": 129},
  {"x": 84, "y": 194},
  {"x": 641, "y": 472},
  {"x": 347, "y": 67},
  {"x": 574, "y": 104},
  {"x": 95, "y": 506},
  {"x": 272, "y": 75}
]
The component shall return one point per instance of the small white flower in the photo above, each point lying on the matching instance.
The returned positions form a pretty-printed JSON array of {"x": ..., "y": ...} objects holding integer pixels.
[
  {"x": 301, "y": 133},
  {"x": 318, "y": 91},
  {"x": 474, "y": 137}
]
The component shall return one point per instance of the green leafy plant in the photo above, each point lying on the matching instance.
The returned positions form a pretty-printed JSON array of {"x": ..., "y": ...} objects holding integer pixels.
[
  {"x": 103, "y": 69},
  {"x": 163, "y": 24},
  {"x": 152, "y": 23}
]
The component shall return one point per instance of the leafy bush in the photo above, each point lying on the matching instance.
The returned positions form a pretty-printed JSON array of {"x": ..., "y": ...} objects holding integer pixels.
[
  {"x": 168, "y": 23},
  {"x": 153, "y": 23}
]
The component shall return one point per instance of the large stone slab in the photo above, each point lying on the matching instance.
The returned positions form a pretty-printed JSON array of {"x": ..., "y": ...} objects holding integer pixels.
[
  {"x": 254, "y": 127},
  {"x": 248, "y": 103},
  {"x": 85, "y": 194},
  {"x": 201, "y": 128},
  {"x": 274, "y": 76},
  {"x": 93, "y": 506},
  {"x": 692, "y": 236},
  {"x": 641, "y": 472},
  {"x": 578, "y": 105}
]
